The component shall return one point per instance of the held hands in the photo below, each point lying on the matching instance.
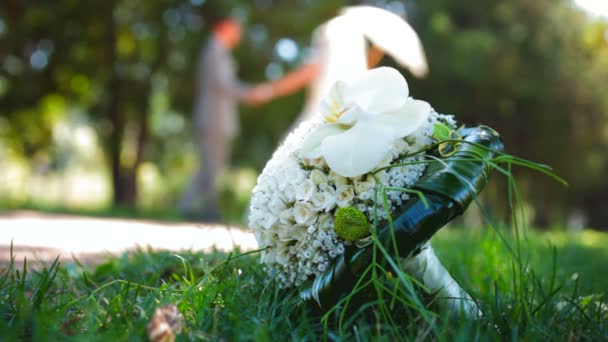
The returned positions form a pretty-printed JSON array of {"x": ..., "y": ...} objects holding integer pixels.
[{"x": 259, "y": 95}]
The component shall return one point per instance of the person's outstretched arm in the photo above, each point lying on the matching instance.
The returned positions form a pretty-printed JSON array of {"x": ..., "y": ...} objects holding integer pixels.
[
  {"x": 295, "y": 80},
  {"x": 286, "y": 85}
]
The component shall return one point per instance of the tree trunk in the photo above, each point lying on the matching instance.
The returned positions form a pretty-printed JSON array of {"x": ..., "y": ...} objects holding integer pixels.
[
  {"x": 115, "y": 115},
  {"x": 124, "y": 177},
  {"x": 130, "y": 179},
  {"x": 595, "y": 208}
]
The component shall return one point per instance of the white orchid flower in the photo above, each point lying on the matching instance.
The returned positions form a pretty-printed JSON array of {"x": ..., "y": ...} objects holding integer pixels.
[{"x": 363, "y": 119}]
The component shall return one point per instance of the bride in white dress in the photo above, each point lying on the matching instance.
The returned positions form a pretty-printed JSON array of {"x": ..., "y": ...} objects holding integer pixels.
[{"x": 340, "y": 52}]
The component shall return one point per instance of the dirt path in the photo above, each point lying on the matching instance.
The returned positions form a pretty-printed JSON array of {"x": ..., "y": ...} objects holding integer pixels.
[{"x": 42, "y": 237}]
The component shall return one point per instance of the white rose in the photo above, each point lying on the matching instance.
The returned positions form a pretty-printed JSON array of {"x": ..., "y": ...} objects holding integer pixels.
[
  {"x": 289, "y": 192},
  {"x": 270, "y": 240},
  {"x": 385, "y": 161},
  {"x": 269, "y": 256},
  {"x": 318, "y": 163},
  {"x": 420, "y": 138},
  {"x": 344, "y": 195},
  {"x": 260, "y": 237},
  {"x": 324, "y": 201},
  {"x": 268, "y": 220},
  {"x": 338, "y": 179},
  {"x": 318, "y": 177},
  {"x": 281, "y": 194},
  {"x": 254, "y": 217},
  {"x": 276, "y": 205},
  {"x": 259, "y": 199},
  {"x": 295, "y": 172},
  {"x": 274, "y": 230},
  {"x": 286, "y": 216},
  {"x": 304, "y": 213},
  {"x": 282, "y": 181},
  {"x": 290, "y": 233},
  {"x": 282, "y": 254},
  {"x": 305, "y": 190},
  {"x": 356, "y": 178},
  {"x": 399, "y": 148},
  {"x": 364, "y": 186},
  {"x": 268, "y": 183},
  {"x": 326, "y": 222},
  {"x": 261, "y": 219}
]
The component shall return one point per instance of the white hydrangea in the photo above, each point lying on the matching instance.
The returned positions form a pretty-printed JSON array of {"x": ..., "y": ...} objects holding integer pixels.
[{"x": 294, "y": 202}]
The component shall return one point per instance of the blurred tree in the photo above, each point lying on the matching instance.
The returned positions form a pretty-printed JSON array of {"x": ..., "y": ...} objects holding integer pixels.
[
  {"x": 535, "y": 70},
  {"x": 103, "y": 57}
]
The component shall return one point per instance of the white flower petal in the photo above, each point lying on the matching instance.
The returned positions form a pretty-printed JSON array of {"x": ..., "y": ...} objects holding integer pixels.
[
  {"x": 407, "y": 119},
  {"x": 358, "y": 150},
  {"x": 351, "y": 115},
  {"x": 333, "y": 104},
  {"x": 311, "y": 147},
  {"x": 379, "y": 90}
]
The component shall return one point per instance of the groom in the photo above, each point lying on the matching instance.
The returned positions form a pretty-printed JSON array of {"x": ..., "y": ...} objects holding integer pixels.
[{"x": 215, "y": 117}]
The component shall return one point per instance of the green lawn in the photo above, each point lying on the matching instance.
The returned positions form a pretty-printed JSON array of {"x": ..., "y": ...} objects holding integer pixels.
[{"x": 225, "y": 297}]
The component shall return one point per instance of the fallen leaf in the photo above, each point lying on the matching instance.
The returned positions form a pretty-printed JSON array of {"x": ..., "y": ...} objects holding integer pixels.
[{"x": 165, "y": 324}]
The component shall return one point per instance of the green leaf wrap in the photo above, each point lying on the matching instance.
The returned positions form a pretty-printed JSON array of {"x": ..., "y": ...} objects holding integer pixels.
[{"x": 449, "y": 185}]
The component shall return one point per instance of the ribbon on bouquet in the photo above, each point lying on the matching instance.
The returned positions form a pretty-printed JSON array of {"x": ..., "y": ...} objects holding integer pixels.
[{"x": 449, "y": 185}]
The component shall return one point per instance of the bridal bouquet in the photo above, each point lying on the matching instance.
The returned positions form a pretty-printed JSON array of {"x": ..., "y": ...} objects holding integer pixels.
[{"x": 359, "y": 169}]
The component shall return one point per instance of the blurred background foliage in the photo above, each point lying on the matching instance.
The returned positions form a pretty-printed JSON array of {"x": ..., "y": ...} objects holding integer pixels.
[{"x": 96, "y": 96}]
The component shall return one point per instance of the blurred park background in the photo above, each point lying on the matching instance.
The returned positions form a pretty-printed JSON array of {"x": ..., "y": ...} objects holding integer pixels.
[{"x": 96, "y": 97}]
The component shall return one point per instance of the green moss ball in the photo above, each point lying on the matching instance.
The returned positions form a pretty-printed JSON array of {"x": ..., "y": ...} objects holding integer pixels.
[{"x": 351, "y": 224}]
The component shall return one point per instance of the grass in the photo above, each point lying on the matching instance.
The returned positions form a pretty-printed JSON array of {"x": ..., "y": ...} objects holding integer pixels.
[{"x": 225, "y": 296}]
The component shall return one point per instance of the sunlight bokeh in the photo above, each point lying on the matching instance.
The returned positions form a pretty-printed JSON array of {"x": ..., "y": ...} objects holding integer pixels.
[{"x": 595, "y": 7}]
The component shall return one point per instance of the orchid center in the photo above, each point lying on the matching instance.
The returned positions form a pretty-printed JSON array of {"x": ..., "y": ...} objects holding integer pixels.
[{"x": 335, "y": 113}]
